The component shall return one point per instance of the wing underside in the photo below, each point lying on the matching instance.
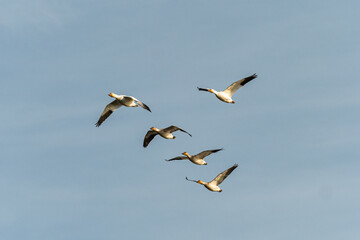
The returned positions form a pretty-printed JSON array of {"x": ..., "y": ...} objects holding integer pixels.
[{"x": 221, "y": 177}]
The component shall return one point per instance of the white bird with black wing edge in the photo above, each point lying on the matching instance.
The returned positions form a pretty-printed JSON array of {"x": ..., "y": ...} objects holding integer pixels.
[
  {"x": 214, "y": 184},
  {"x": 163, "y": 132},
  {"x": 198, "y": 158},
  {"x": 226, "y": 95},
  {"x": 120, "y": 100}
]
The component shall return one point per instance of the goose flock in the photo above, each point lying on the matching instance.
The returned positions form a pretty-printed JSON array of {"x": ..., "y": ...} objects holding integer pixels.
[{"x": 167, "y": 133}]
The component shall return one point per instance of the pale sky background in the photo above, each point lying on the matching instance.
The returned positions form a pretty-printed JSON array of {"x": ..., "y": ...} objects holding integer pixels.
[{"x": 294, "y": 131}]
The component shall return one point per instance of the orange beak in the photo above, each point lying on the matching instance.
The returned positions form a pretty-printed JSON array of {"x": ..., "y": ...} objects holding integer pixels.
[{"x": 111, "y": 94}]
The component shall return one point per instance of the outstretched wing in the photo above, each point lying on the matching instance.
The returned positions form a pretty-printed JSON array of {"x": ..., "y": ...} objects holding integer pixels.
[
  {"x": 148, "y": 137},
  {"x": 207, "y": 153},
  {"x": 109, "y": 109},
  {"x": 173, "y": 128},
  {"x": 238, "y": 84},
  {"x": 143, "y": 105},
  {"x": 177, "y": 158},
  {"x": 190, "y": 180},
  {"x": 203, "y": 89},
  {"x": 221, "y": 177}
]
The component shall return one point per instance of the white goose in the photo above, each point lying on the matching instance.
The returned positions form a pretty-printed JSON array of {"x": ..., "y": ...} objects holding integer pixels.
[
  {"x": 214, "y": 184},
  {"x": 120, "y": 100},
  {"x": 198, "y": 158},
  {"x": 226, "y": 95},
  {"x": 163, "y": 132}
]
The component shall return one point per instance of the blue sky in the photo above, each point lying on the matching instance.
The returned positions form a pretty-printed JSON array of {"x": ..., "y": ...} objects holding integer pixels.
[{"x": 294, "y": 131}]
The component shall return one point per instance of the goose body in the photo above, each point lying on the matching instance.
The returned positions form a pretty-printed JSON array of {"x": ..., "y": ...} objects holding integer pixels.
[
  {"x": 120, "y": 100},
  {"x": 163, "y": 132},
  {"x": 198, "y": 158},
  {"x": 214, "y": 184},
  {"x": 226, "y": 95}
]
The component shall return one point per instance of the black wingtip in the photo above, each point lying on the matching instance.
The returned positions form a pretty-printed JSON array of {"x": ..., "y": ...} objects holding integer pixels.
[
  {"x": 190, "y": 179},
  {"x": 248, "y": 79},
  {"x": 146, "y": 107},
  {"x": 188, "y": 133},
  {"x": 251, "y": 77},
  {"x": 202, "y": 89}
]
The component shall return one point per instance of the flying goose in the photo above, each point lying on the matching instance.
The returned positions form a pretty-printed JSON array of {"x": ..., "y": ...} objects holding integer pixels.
[
  {"x": 198, "y": 158},
  {"x": 163, "y": 132},
  {"x": 120, "y": 100},
  {"x": 213, "y": 185},
  {"x": 226, "y": 95}
]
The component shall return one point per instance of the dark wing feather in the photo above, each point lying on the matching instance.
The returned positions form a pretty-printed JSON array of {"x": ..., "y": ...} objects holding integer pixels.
[
  {"x": 238, "y": 84},
  {"x": 103, "y": 117},
  {"x": 177, "y": 158},
  {"x": 148, "y": 137},
  {"x": 248, "y": 79},
  {"x": 143, "y": 105},
  {"x": 207, "y": 153},
  {"x": 203, "y": 89},
  {"x": 221, "y": 177},
  {"x": 173, "y": 128},
  {"x": 190, "y": 180},
  {"x": 109, "y": 109}
]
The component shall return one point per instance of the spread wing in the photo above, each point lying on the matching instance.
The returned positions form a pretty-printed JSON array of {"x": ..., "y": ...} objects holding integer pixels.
[
  {"x": 207, "y": 153},
  {"x": 109, "y": 109},
  {"x": 177, "y": 158},
  {"x": 238, "y": 84},
  {"x": 221, "y": 177},
  {"x": 148, "y": 137},
  {"x": 141, "y": 104},
  {"x": 190, "y": 180},
  {"x": 203, "y": 89},
  {"x": 175, "y": 128}
]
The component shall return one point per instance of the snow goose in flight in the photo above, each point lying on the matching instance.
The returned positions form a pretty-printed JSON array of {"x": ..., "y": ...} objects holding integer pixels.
[
  {"x": 213, "y": 185},
  {"x": 198, "y": 158},
  {"x": 226, "y": 95},
  {"x": 163, "y": 132},
  {"x": 120, "y": 100}
]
